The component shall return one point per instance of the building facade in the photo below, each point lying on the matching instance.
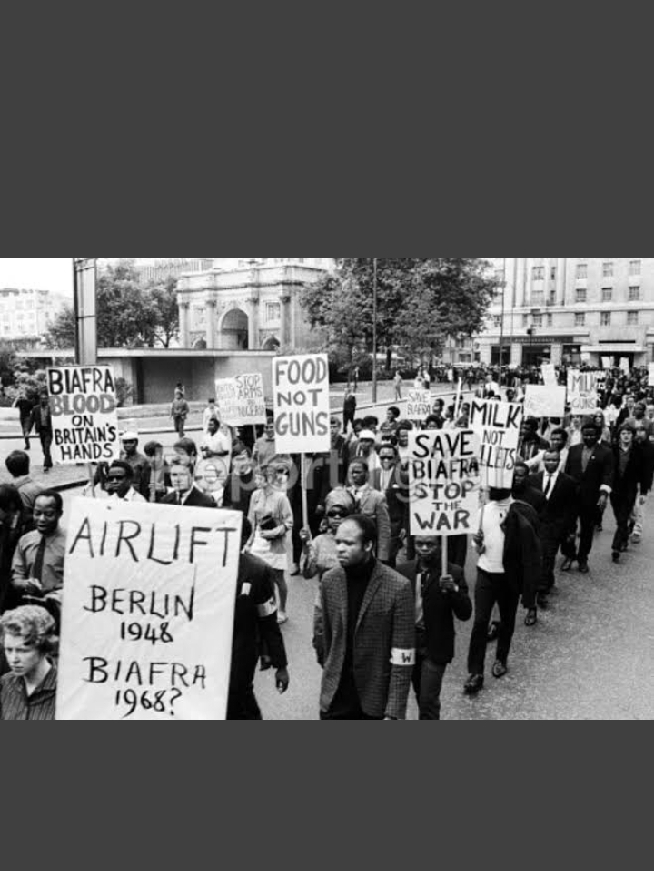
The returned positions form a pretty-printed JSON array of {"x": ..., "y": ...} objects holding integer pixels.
[
  {"x": 252, "y": 304},
  {"x": 27, "y": 314},
  {"x": 571, "y": 310}
]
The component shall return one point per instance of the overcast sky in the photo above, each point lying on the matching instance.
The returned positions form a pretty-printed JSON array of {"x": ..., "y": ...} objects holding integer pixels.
[{"x": 41, "y": 273}]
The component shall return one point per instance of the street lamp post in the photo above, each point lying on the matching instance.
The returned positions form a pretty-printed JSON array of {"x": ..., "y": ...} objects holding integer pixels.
[
  {"x": 374, "y": 330},
  {"x": 86, "y": 343}
]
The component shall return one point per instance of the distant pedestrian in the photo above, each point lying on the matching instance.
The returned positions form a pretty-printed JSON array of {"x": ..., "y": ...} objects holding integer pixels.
[
  {"x": 349, "y": 408},
  {"x": 25, "y": 408},
  {"x": 179, "y": 412},
  {"x": 397, "y": 383},
  {"x": 42, "y": 417},
  {"x": 355, "y": 377}
]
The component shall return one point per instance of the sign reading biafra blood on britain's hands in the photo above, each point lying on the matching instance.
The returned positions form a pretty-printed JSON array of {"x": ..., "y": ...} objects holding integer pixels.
[
  {"x": 301, "y": 404},
  {"x": 498, "y": 426},
  {"x": 148, "y": 612},
  {"x": 444, "y": 481},
  {"x": 84, "y": 420}
]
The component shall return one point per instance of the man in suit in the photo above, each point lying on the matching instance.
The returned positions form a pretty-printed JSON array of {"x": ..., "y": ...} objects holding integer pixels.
[
  {"x": 591, "y": 466},
  {"x": 560, "y": 494},
  {"x": 42, "y": 419},
  {"x": 523, "y": 491},
  {"x": 184, "y": 490},
  {"x": 438, "y": 599},
  {"x": 373, "y": 504},
  {"x": 630, "y": 477},
  {"x": 393, "y": 483},
  {"x": 366, "y": 640}
]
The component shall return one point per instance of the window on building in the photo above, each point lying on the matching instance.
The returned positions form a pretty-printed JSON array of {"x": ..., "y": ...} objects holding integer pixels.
[
  {"x": 581, "y": 294},
  {"x": 632, "y": 319},
  {"x": 537, "y": 298},
  {"x": 580, "y": 319},
  {"x": 525, "y": 320},
  {"x": 553, "y": 273},
  {"x": 549, "y": 320},
  {"x": 607, "y": 270},
  {"x": 538, "y": 321},
  {"x": 634, "y": 294},
  {"x": 605, "y": 319},
  {"x": 497, "y": 321},
  {"x": 552, "y": 297},
  {"x": 634, "y": 267},
  {"x": 607, "y": 294},
  {"x": 538, "y": 273},
  {"x": 582, "y": 270},
  {"x": 273, "y": 311}
]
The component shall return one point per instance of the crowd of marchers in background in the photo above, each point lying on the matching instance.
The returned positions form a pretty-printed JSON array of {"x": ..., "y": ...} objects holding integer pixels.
[{"x": 385, "y": 611}]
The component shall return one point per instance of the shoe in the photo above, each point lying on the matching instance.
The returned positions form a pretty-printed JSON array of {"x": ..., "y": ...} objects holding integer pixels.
[
  {"x": 499, "y": 669},
  {"x": 473, "y": 685},
  {"x": 542, "y": 601},
  {"x": 531, "y": 619},
  {"x": 493, "y": 632},
  {"x": 624, "y": 547},
  {"x": 616, "y": 556},
  {"x": 282, "y": 618},
  {"x": 295, "y": 570},
  {"x": 583, "y": 566},
  {"x": 636, "y": 538},
  {"x": 566, "y": 565}
]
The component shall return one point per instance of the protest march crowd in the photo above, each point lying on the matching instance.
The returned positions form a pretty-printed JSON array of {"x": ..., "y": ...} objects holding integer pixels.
[{"x": 518, "y": 467}]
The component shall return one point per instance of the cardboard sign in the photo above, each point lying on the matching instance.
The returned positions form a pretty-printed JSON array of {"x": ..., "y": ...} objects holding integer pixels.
[
  {"x": 550, "y": 378},
  {"x": 148, "y": 612},
  {"x": 651, "y": 374},
  {"x": 301, "y": 404},
  {"x": 606, "y": 363},
  {"x": 419, "y": 404},
  {"x": 241, "y": 400},
  {"x": 545, "y": 401},
  {"x": 444, "y": 481},
  {"x": 582, "y": 391},
  {"x": 84, "y": 421},
  {"x": 625, "y": 365},
  {"x": 498, "y": 426}
]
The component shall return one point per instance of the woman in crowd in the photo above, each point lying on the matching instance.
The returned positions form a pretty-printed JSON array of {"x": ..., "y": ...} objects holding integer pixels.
[{"x": 29, "y": 641}]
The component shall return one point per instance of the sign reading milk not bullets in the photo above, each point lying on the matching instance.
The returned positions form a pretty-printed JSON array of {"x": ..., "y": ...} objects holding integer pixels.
[
  {"x": 148, "y": 612},
  {"x": 301, "y": 404},
  {"x": 444, "y": 482},
  {"x": 84, "y": 420},
  {"x": 498, "y": 426}
]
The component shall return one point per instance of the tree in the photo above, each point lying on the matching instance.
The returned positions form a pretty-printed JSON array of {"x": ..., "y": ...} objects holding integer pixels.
[
  {"x": 128, "y": 315},
  {"x": 420, "y": 302}
]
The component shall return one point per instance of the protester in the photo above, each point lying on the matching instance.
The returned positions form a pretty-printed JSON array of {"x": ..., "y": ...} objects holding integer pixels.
[
  {"x": 185, "y": 452},
  {"x": 25, "y": 408},
  {"x": 210, "y": 413},
  {"x": 439, "y": 598},
  {"x": 119, "y": 484},
  {"x": 255, "y": 623},
  {"x": 42, "y": 418},
  {"x": 179, "y": 411},
  {"x": 366, "y": 642},
  {"x": 647, "y": 454},
  {"x": 366, "y": 450},
  {"x": 271, "y": 517},
  {"x": 210, "y": 477},
  {"x": 217, "y": 442},
  {"x": 372, "y": 504},
  {"x": 18, "y": 466},
  {"x": 38, "y": 564},
  {"x": 185, "y": 491},
  {"x": 139, "y": 463},
  {"x": 591, "y": 466},
  {"x": 630, "y": 478},
  {"x": 28, "y": 637},
  {"x": 12, "y": 527},
  {"x": 393, "y": 483},
  {"x": 522, "y": 490},
  {"x": 264, "y": 447}
]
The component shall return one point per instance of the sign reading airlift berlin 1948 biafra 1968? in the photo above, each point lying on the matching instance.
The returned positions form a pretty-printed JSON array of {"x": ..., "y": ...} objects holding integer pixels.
[
  {"x": 444, "y": 482},
  {"x": 84, "y": 421}
]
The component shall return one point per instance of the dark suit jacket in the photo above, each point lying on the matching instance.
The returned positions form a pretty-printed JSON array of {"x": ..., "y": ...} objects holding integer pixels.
[
  {"x": 37, "y": 421},
  {"x": 625, "y": 487},
  {"x": 196, "y": 500},
  {"x": 397, "y": 497},
  {"x": 384, "y": 641},
  {"x": 598, "y": 474},
  {"x": 439, "y": 610},
  {"x": 560, "y": 508}
]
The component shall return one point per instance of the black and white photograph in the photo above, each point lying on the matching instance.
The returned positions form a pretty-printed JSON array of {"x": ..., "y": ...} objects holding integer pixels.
[{"x": 412, "y": 488}]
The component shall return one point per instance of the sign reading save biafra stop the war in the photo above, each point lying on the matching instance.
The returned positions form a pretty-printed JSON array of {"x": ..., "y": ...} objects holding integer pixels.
[
  {"x": 301, "y": 404},
  {"x": 444, "y": 481},
  {"x": 84, "y": 421},
  {"x": 148, "y": 612}
]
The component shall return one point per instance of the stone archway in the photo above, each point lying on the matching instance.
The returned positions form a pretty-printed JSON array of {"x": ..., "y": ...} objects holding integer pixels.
[
  {"x": 234, "y": 330},
  {"x": 272, "y": 343}
]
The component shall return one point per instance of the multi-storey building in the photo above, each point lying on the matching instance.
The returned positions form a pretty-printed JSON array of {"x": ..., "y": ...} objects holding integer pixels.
[
  {"x": 27, "y": 314},
  {"x": 248, "y": 303},
  {"x": 571, "y": 310}
]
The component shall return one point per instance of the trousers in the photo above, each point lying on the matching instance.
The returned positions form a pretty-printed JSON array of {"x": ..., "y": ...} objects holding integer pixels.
[
  {"x": 427, "y": 682},
  {"x": 489, "y": 590}
]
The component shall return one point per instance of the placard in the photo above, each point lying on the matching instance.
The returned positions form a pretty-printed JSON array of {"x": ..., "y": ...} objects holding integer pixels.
[
  {"x": 548, "y": 372},
  {"x": 498, "y": 425},
  {"x": 444, "y": 482},
  {"x": 582, "y": 391},
  {"x": 301, "y": 404},
  {"x": 544, "y": 401},
  {"x": 607, "y": 363},
  {"x": 148, "y": 612},
  {"x": 625, "y": 365},
  {"x": 419, "y": 404},
  {"x": 651, "y": 374},
  {"x": 240, "y": 400},
  {"x": 84, "y": 420}
]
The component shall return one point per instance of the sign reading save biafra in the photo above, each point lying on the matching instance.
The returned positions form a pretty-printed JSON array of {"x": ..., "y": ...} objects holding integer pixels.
[{"x": 84, "y": 421}]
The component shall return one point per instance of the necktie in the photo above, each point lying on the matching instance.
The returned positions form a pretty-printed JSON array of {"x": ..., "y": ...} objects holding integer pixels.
[
  {"x": 40, "y": 559},
  {"x": 548, "y": 488}
]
